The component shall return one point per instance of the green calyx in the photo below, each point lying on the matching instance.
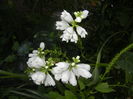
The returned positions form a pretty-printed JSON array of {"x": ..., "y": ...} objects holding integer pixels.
[
  {"x": 78, "y": 13},
  {"x": 41, "y": 52},
  {"x": 74, "y": 24},
  {"x": 74, "y": 63}
]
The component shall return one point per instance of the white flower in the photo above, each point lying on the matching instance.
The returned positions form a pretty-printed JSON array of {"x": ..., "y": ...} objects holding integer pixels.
[
  {"x": 84, "y": 14},
  {"x": 34, "y": 53},
  {"x": 36, "y": 62},
  {"x": 81, "y": 31},
  {"x": 49, "y": 81},
  {"x": 69, "y": 34},
  {"x": 82, "y": 70},
  {"x": 66, "y": 16},
  {"x": 78, "y": 19},
  {"x": 81, "y": 15},
  {"x": 67, "y": 72},
  {"x": 61, "y": 25},
  {"x": 38, "y": 77},
  {"x": 42, "y": 78},
  {"x": 42, "y": 45}
]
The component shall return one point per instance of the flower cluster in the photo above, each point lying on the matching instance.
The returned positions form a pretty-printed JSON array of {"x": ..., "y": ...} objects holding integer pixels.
[
  {"x": 41, "y": 70},
  {"x": 70, "y": 27},
  {"x": 67, "y": 72}
]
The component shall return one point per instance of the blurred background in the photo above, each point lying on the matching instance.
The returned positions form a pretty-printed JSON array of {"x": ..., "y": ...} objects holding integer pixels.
[{"x": 26, "y": 23}]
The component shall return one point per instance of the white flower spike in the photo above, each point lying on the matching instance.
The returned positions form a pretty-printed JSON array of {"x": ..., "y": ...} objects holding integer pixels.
[{"x": 68, "y": 26}]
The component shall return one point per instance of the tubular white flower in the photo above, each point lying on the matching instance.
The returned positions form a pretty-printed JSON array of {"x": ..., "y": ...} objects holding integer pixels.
[
  {"x": 65, "y": 37},
  {"x": 57, "y": 76},
  {"x": 81, "y": 31},
  {"x": 65, "y": 76},
  {"x": 78, "y": 19},
  {"x": 84, "y": 14},
  {"x": 82, "y": 72},
  {"x": 38, "y": 77},
  {"x": 66, "y": 16},
  {"x": 36, "y": 62},
  {"x": 72, "y": 79},
  {"x": 42, "y": 45},
  {"x": 49, "y": 81},
  {"x": 74, "y": 37},
  {"x": 42, "y": 78},
  {"x": 33, "y": 54},
  {"x": 60, "y": 67},
  {"x": 69, "y": 34},
  {"x": 61, "y": 25},
  {"x": 83, "y": 66}
]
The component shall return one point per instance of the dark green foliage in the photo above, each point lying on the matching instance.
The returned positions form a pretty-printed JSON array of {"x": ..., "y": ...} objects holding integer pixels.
[{"x": 26, "y": 23}]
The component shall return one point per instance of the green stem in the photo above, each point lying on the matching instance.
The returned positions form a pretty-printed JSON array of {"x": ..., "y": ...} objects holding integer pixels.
[
  {"x": 117, "y": 56},
  {"x": 100, "y": 64},
  {"x": 118, "y": 86}
]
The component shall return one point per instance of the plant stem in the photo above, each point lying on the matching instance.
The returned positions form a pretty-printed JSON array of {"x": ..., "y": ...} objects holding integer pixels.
[{"x": 116, "y": 57}]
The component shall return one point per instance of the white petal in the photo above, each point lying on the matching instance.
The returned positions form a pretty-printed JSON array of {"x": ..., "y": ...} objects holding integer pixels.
[
  {"x": 74, "y": 37},
  {"x": 75, "y": 71},
  {"x": 38, "y": 77},
  {"x": 61, "y": 25},
  {"x": 72, "y": 79},
  {"x": 42, "y": 45},
  {"x": 81, "y": 31},
  {"x": 36, "y": 62},
  {"x": 84, "y": 66},
  {"x": 69, "y": 30},
  {"x": 85, "y": 14},
  {"x": 57, "y": 76},
  {"x": 49, "y": 81},
  {"x": 66, "y": 16},
  {"x": 78, "y": 19},
  {"x": 65, "y": 76},
  {"x": 60, "y": 67},
  {"x": 84, "y": 73},
  {"x": 65, "y": 36}
]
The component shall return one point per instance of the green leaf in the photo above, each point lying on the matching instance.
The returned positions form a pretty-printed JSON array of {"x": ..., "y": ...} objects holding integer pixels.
[
  {"x": 10, "y": 58},
  {"x": 81, "y": 84},
  {"x": 25, "y": 94},
  {"x": 91, "y": 97},
  {"x": 69, "y": 95},
  {"x": 104, "y": 88},
  {"x": 13, "y": 97},
  {"x": 15, "y": 46},
  {"x": 126, "y": 62},
  {"x": 55, "y": 95}
]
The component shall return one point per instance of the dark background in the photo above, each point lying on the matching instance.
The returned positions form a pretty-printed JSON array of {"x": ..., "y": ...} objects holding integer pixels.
[{"x": 26, "y": 23}]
